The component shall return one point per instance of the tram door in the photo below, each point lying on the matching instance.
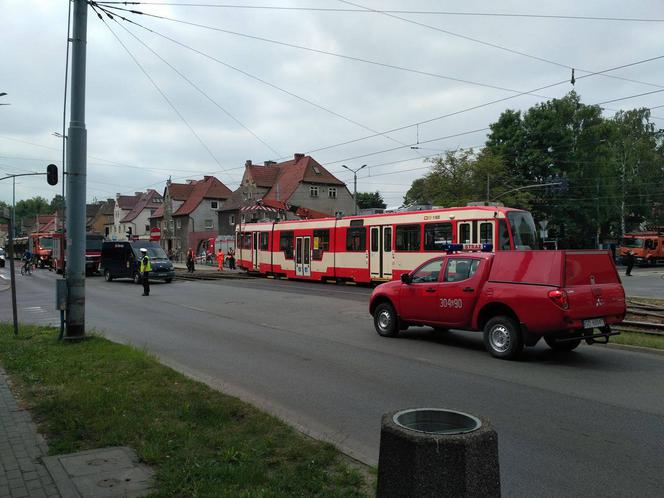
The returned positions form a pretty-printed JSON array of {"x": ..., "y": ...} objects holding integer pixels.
[
  {"x": 476, "y": 232},
  {"x": 303, "y": 256},
  {"x": 380, "y": 255},
  {"x": 255, "y": 256}
]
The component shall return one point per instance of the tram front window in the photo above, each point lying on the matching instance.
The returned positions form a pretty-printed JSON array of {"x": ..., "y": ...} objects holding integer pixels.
[{"x": 523, "y": 228}]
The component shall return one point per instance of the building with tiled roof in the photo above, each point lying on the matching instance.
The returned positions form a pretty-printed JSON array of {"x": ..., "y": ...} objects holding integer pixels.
[
  {"x": 300, "y": 188},
  {"x": 188, "y": 216},
  {"x": 131, "y": 214}
]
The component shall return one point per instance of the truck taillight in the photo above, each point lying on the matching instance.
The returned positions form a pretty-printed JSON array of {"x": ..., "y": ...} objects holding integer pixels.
[{"x": 560, "y": 298}]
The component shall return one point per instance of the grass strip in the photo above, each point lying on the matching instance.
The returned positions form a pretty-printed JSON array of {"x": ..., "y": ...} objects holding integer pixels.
[
  {"x": 201, "y": 443},
  {"x": 638, "y": 339}
]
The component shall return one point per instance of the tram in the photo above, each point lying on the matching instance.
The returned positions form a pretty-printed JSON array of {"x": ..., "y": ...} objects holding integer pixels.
[{"x": 380, "y": 247}]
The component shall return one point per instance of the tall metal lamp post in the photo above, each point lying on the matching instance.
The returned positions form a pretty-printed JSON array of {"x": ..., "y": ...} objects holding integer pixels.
[{"x": 354, "y": 171}]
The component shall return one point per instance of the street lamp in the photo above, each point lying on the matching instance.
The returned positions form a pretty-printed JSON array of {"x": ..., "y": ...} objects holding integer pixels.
[{"x": 354, "y": 182}]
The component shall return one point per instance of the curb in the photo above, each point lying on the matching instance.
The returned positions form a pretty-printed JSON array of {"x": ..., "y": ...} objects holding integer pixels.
[{"x": 636, "y": 349}]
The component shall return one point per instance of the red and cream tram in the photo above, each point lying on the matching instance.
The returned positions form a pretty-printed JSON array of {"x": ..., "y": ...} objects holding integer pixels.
[{"x": 377, "y": 247}]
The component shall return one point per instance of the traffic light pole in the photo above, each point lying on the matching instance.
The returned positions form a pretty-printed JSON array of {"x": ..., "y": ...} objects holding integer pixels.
[{"x": 76, "y": 179}]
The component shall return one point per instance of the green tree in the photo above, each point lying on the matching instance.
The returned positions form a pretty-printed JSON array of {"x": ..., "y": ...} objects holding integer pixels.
[
  {"x": 368, "y": 200},
  {"x": 57, "y": 203},
  {"x": 32, "y": 207}
]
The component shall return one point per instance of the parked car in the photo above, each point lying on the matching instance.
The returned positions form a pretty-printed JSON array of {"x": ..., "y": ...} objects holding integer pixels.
[
  {"x": 122, "y": 260},
  {"x": 514, "y": 297}
]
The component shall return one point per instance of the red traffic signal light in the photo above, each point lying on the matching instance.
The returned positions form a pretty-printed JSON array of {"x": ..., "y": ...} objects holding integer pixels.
[{"x": 52, "y": 174}]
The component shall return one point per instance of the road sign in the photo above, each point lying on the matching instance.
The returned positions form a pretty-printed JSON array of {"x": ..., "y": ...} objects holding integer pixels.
[{"x": 155, "y": 234}]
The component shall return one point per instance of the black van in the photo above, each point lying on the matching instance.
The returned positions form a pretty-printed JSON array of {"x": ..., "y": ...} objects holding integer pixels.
[{"x": 121, "y": 259}]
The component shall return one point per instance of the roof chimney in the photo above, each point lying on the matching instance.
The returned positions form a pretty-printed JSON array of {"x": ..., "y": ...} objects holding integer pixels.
[
  {"x": 138, "y": 194},
  {"x": 298, "y": 156},
  {"x": 248, "y": 163},
  {"x": 269, "y": 163}
]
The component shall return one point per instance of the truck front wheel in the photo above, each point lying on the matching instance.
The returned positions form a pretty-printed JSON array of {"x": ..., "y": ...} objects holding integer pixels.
[
  {"x": 386, "y": 320},
  {"x": 502, "y": 337}
]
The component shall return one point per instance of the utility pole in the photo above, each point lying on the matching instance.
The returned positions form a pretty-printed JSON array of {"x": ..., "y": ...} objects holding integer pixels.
[
  {"x": 354, "y": 182},
  {"x": 76, "y": 179}
]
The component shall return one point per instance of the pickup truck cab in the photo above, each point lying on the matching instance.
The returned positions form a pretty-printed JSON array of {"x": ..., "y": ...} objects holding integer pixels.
[{"x": 514, "y": 297}]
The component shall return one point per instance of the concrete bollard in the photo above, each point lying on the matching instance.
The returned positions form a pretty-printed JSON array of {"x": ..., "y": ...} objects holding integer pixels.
[{"x": 430, "y": 452}]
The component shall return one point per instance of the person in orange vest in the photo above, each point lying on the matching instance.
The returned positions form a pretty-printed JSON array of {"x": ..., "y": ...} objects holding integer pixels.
[{"x": 220, "y": 260}]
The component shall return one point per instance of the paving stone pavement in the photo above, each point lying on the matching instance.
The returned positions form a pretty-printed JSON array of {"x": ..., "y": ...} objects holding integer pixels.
[{"x": 22, "y": 473}]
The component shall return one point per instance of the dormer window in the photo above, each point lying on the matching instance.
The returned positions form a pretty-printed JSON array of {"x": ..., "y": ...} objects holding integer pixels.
[
  {"x": 313, "y": 191},
  {"x": 316, "y": 170},
  {"x": 214, "y": 204}
]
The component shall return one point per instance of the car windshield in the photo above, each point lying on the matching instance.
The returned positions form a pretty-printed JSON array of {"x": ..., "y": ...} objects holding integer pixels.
[
  {"x": 46, "y": 242},
  {"x": 523, "y": 228},
  {"x": 93, "y": 243},
  {"x": 632, "y": 242}
]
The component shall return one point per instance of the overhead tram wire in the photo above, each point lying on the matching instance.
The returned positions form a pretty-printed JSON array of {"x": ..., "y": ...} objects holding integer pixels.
[
  {"x": 265, "y": 82},
  {"x": 201, "y": 91},
  {"x": 326, "y": 52},
  {"x": 529, "y": 92},
  {"x": 360, "y": 11},
  {"x": 200, "y": 140},
  {"x": 494, "y": 45}
]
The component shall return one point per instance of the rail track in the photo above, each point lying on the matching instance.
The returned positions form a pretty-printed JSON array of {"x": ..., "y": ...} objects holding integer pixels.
[{"x": 643, "y": 318}]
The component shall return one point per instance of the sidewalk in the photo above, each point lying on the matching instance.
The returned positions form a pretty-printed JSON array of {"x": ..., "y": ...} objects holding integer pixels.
[{"x": 22, "y": 473}]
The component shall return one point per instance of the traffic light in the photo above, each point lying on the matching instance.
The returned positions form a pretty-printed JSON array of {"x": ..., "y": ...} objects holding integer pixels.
[{"x": 52, "y": 174}]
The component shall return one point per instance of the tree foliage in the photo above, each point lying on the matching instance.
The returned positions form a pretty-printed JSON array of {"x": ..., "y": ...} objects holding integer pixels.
[
  {"x": 608, "y": 170},
  {"x": 368, "y": 200}
]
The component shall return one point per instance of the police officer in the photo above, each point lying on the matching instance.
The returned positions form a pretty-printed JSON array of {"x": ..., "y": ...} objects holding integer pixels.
[{"x": 146, "y": 268}]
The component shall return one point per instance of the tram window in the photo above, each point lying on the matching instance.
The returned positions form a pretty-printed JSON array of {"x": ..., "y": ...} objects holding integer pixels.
[
  {"x": 408, "y": 238},
  {"x": 504, "y": 236},
  {"x": 356, "y": 239},
  {"x": 387, "y": 240},
  {"x": 486, "y": 233},
  {"x": 321, "y": 243},
  {"x": 286, "y": 244},
  {"x": 264, "y": 241},
  {"x": 374, "y": 239},
  {"x": 464, "y": 233},
  {"x": 437, "y": 234}
]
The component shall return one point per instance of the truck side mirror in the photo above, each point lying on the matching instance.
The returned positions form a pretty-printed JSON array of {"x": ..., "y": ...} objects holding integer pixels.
[{"x": 406, "y": 278}]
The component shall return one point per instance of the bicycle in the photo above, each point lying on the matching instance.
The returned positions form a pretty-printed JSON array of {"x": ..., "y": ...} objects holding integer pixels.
[{"x": 26, "y": 269}]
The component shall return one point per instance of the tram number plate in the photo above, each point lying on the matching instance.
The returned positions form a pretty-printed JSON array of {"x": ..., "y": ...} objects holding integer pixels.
[{"x": 593, "y": 323}]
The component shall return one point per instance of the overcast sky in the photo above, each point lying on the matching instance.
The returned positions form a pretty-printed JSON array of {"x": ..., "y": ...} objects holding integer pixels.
[{"x": 239, "y": 98}]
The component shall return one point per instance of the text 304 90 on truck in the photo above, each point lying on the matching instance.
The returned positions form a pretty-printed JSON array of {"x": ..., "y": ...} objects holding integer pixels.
[{"x": 515, "y": 298}]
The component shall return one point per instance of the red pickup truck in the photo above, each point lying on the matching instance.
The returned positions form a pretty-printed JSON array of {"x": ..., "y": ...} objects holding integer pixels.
[{"x": 515, "y": 297}]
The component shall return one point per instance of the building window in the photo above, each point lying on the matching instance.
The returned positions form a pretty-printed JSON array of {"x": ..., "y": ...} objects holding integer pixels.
[
  {"x": 170, "y": 225},
  {"x": 231, "y": 220},
  {"x": 209, "y": 225},
  {"x": 332, "y": 192},
  {"x": 437, "y": 234},
  {"x": 408, "y": 238},
  {"x": 313, "y": 191},
  {"x": 356, "y": 239},
  {"x": 147, "y": 228},
  {"x": 214, "y": 204},
  {"x": 179, "y": 223}
]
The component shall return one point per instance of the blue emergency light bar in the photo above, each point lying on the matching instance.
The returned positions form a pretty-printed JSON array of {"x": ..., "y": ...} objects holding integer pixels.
[{"x": 450, "y": 248}]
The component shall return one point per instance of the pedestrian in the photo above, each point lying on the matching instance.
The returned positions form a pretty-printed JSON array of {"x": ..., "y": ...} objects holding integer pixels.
[
  {"x": 629, "y": 261},
  {"x": 231, "y": 258},
  {"x": 220, "y": 260},
  {"x": 191, "y": 258},
  {"x": 146, "y": 268}
]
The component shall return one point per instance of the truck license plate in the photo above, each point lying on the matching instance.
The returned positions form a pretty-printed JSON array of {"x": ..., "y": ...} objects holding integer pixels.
[{"x": 593, "y": 323}]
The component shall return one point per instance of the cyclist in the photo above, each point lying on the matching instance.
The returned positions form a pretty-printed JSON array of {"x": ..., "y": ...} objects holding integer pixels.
[{"x": 27, "y": 261}]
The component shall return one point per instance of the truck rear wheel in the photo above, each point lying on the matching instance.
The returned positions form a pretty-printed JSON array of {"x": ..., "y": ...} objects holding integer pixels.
[
  {"x": 561, "y": 346},
  {"x": 386, "y": 320},
  {"x": 502, "y": 337}
]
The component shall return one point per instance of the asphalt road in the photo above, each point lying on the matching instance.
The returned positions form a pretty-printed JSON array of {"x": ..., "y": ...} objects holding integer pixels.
[{"x": 590, "y": 423}]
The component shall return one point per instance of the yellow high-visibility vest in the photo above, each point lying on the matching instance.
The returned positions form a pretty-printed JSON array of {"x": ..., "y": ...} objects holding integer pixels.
[{"x": 145, "y": 264}]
